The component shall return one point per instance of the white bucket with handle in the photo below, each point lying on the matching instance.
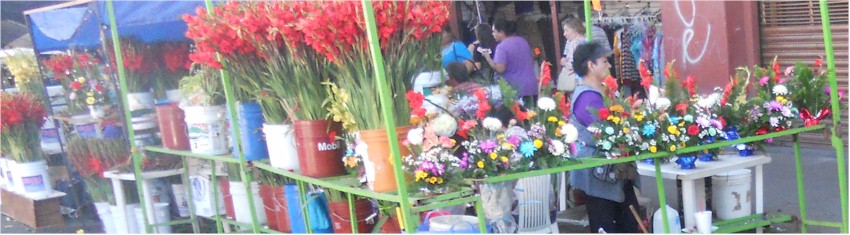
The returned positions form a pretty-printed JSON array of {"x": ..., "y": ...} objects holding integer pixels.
[{"x": 731, "y": 194}]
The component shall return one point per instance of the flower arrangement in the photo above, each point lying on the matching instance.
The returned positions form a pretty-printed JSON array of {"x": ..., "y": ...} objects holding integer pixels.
[
  {"x": 174, "y": 65},
  {"x": 20, "y": 127},
  {"x": 733, "y": 102},
  {"x": 138, "y": 63},
  {"x": 771, "y": 110},
  {"x": 432, "y": 162},
  {"x": 93, "y": 157},
  {"x": 614, "y": 132},
  {"x": 82, "y": 79},
  {"x": 24, "y": 68},
  {"x": 811, "y": 92},
  {"x": 91, "y": 92},
  {"x": 709, "y": 124}
]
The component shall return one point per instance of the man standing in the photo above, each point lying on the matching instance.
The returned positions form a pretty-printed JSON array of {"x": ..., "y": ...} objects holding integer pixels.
[{"x": 513, "y": 60}]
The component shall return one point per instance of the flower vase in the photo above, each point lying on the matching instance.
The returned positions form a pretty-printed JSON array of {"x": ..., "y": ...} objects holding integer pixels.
[
  {"x": 744, "y": 150},
  {"x": 687, "y": 162},
  {"x": 497, "y": 199},
  {"x": 96, "y": 111},
  {"x": 650, "y": 161},
  {"x": 706, "y": 156}
]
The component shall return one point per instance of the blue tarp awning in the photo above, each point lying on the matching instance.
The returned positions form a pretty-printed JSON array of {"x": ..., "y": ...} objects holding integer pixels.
[{"x": 79, "y": 26}]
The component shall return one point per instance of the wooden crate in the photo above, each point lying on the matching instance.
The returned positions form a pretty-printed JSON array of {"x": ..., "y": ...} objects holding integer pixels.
[{"x": 37, "y": 213}]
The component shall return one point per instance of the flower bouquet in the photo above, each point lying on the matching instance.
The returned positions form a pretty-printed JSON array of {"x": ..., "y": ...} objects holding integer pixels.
[
  {"x": 811, "y": 92},
  {"x": 432, "y": 163},
  {"x": 710, "y": 124},
  {"x": 614, "y": 134},
  {"x": 174, "y": 65},
  {"x": 20, "y": 132},
  {"x": 733, "y": 110},
  {"x": 82, "y": 79},
  {"x": 771, "y": 110},
  {"x": 678, "y": 119},
  {"x": 24, "y": 69}
]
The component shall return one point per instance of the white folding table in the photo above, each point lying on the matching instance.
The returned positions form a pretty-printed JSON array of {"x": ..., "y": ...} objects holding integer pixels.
[{"x": 693, "y": 185}]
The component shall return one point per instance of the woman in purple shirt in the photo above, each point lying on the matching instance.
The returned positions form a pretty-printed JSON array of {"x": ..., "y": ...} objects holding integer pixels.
[{"x": 513, "y": 59}]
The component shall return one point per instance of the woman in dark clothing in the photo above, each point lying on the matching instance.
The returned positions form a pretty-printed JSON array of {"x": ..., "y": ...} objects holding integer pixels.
[{"x": 484, "y": 40}]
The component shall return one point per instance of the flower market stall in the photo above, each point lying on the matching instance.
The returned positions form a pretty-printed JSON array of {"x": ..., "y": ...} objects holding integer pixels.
[{"x": 306, "y": 117}]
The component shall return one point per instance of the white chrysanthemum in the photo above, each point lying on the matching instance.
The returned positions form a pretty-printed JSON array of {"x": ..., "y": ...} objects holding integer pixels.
[
  {"x": 435, "y": 101},
  {"x": 444, "y": 125},
  {"x": 662, "y": 103},
  {"x": 780, "y": 90},
  {"x": 492, "y": 124},
  {"x": 415, "y": 136},
  {"x": 570, "y": 133},
  {"x": 708, "y": 101},
  {"x": 546, "y": 104},
  {"x": 557, "y": 148}
]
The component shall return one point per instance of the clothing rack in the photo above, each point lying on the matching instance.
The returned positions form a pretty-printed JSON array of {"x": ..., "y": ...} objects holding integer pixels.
[{"x": 625, "y": 19}]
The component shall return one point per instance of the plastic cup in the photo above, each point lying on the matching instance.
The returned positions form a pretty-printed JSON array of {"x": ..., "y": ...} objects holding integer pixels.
[{"x": 703, "y": 219}]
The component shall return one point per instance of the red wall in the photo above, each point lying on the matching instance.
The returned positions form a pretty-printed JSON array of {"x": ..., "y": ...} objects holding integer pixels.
[{"x": 709, "y": 39}]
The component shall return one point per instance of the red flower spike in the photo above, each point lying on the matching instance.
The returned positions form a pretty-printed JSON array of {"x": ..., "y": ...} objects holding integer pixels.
[
  {"x": 545, "y": 74},
  {"x": 564, "y": 106},
  {"x": 520, "y": 115},
  {"x": 610, "y": 85},
  {"x": 690, "y": 83},
  {"x": 645, "y": 75},
  {"x": 818, "y": 63},
  {"x": 682, "y": 108}
]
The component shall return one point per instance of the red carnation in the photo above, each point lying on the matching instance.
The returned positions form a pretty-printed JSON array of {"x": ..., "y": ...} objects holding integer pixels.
[
  {"x": 693, "y": 130},
  {"x": 98, "y": 88},
  {"x": 604, "y": 113},
  {"x": 682, "y": 108},
  {"x": 76, "y": 85}
]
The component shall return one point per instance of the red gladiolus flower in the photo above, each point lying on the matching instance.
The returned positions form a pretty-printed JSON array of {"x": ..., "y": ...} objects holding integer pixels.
[
  {"x": 693, "y": 130},
  {"x": 610, "y": 85},
  {"x": 604, "y": 113},
  {"x": 564, "y": 106},
  {"x": 545, "y": 74},
  {"x": 415, "y": 101},
  {"x": 76, "y": 85},
  {"x": 690, "y": 83},
  {"x": 483, "y": 103},
  {"x": 645, "y": 75},
  {"x": 520, "y": 115},
  {"x": 818, "y": 63}
]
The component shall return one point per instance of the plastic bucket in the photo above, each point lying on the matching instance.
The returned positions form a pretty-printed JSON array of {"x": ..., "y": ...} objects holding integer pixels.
[
  {"x": 391, "y": 226},
  {"x": 140, "y": 219},
  {"x": 119, "y": 218},
  {"x": 207, "y": 129},
  {"x": 162, "y": 215},
  {"x": 32, "y": 178},
  {"x": 229, "y": 211},
  {"x": 172, "y": 126},
  {"x": 140, "y": 100},
  {"x": 173, "y": 95},
  {"x": 293, "y": 202},
  {"x": 269, "y": 207},
  {"x": 181, "y": 198},
  {"x": 86, "y": 130},
  {"x": 731, "y": 194},
  {"x": 319, "y": 155},
  {"x": 3, "y": 167},
  {"x": 379, "y": 170},
  {"x": 341, "y": 216},
  {"x": 105, "y": 216},
  {"x": 280, "y": 140},
  {"x": 282, "y": 210},
  {"x": 131, "y": 218},
  {"x": 240, "y": 202},
  {"x": 454, "y": 224},
  {"x": 250, "y": 124}
]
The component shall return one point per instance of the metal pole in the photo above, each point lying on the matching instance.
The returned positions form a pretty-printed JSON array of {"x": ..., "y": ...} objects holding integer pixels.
[
  {"x": 386, "y": 111},
  {"x": 662, "y": 198},
  {"x": 191, "y": 200},
  {"x": 131, "y": 135},
  {"x": 836, "y": 112},
  {"x": 351, "y": 214},
  {"x": 588, "y": 26},
  {"x": 553, "y": 9},
  {"x": 801, "y": 189}
]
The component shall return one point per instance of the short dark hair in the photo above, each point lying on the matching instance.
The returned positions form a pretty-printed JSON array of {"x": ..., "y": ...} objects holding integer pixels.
[
  {"x": 582, "y": 55},
  {"x": 484, "y": 34},
  {"x": 507, "y": 27},
  {"x": 457, "y": 71}
]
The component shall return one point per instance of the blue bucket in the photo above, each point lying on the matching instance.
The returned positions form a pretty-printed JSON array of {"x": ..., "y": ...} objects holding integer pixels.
[
  {"x": 250, "y": 126},
  {"x": 317, "y": 206},
  {"x": 296, "y": 218}
]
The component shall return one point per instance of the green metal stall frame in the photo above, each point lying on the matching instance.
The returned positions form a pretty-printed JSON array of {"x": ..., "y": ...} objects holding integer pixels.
[{"x": 411, "y": 205}]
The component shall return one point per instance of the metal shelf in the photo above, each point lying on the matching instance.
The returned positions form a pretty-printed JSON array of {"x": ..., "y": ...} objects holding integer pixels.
[{"x": 228, "y": 158}]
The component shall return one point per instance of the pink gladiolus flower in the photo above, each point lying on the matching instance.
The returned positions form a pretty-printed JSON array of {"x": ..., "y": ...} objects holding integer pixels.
[{"x": 763, "y": 81}]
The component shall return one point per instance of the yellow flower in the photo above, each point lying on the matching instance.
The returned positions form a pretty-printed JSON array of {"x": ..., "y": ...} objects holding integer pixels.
[
  {"x": 507, "y": 145},
  {"x": 90, "y": 100},
  {"x": 531, "y": 114},
  {"x": 781, "y": 99},
  {"x": 350, "y": 161},
  {"x": 538, "y": 144},
  {"x": 638, "y": 116},
  {"x": 552, "y": 119},
  {"x": 614, "y": 119},
  {"x": 626, "y": 130},
  {"x": 439, "y": 180},
  {"x": 682, "y": 145},
  {"x": 653, "y": 149},
  {"x": 432, "y": 180},
  {"x": 81, "y": 79},
  {"x": 504, "y": 159},
  {"x": 672, "y": 129},
  {"x": 481, "y": 164},
  {"x": 558, "y": 132},
  {"x": 681, "y": 124},
  {"x": 561, "y": 123},
  {"x": 420, "y": 175},
  {"x": 90, "y": 94},
  {"x": 617, "y": 108},
  {"x": 672, "y": 148},
  {"x": 414, "y": 120},
  {"x": 500, "y": 137},
  {"x": 493, "y": 156}
]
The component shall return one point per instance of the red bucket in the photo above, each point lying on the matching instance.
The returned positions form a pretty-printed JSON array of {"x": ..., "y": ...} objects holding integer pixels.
[
  {"x": 282, "y": 213},
  {"x": 172, "y": 126},
  {"x": 319, "y": 155},
  {"x": 267, "y": 194},
  {"x": 341, "y": 216},
  {"x": 230, "y": 213}
]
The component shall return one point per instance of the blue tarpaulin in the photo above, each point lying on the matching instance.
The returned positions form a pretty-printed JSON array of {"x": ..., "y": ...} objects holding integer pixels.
[{"x": 79, "y": 26}]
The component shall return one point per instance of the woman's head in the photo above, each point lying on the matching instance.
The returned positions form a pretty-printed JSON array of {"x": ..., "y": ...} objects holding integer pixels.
[
  {"x": 484, "y": 34},
  {"x": 503, "y": 28},
  {"x": 448, "y": 36},
  {"x": 590, "y": 60},
  {"x": 573, "y": 28},
  {"x": 457, "y": 73}
]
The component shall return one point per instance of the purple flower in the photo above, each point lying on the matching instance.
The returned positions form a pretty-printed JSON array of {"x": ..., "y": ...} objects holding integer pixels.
[
  {"x": 703, "y": 122},
  {"x": 763, "y": 81},
  {"x": 487, "y": 146},
  {"x": 514, "y": 140},
  {"x": 755, "y": 112},
  {"x": 773, "y": 105},
  {"x": 716, "y": 123},
  {"x": 786, "y": 111},
  {"x": 464, "y": 162},
  {"x": 537, "y": 131}
]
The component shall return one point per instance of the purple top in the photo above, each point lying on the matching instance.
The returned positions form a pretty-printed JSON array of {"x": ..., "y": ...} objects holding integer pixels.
[
  {"x": 585, "y": 100},
  {"x": 515, "y": 53}
]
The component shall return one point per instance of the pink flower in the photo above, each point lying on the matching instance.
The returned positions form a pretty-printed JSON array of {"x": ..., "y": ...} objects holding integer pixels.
[
  {"x": 446, "y": 142},
  {"x": 763, "y": 81},
  {"x": 789, "y": 70}
]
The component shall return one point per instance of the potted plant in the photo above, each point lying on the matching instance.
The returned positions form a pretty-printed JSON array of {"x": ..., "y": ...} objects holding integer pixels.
[
  {"x": 20, "y": 140},
  {"x": 202, "y": 99}
]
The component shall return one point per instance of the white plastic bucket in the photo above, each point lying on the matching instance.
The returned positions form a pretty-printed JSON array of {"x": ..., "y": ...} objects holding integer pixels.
[
  {"x": 140, "y": 100},
  {"x": 281, "y": 144},
  {"x": 132, "y": 225},
  {"x": 105, "y": 217},
  {"x": 731, "y": 193},
  {"x": 202, "y": 194},
  {"x": 181, "y": 198},
  {"x": 207, "y": 129},
  {"x": 140, "y": 219},
  {"x": 32, "y": 178},
  {"x": 3, "y": 168},
  {"x": 162, "y": 215},
  {"x": 173, "y": 95},
  {"x": 120, "y": 219},
  {"x": 240, "y": 202},
  {"x": 450, "y": 223}
]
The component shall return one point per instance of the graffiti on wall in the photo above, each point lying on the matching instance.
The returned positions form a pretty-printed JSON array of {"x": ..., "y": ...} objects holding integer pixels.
[{"x": 688, "y": 34}]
